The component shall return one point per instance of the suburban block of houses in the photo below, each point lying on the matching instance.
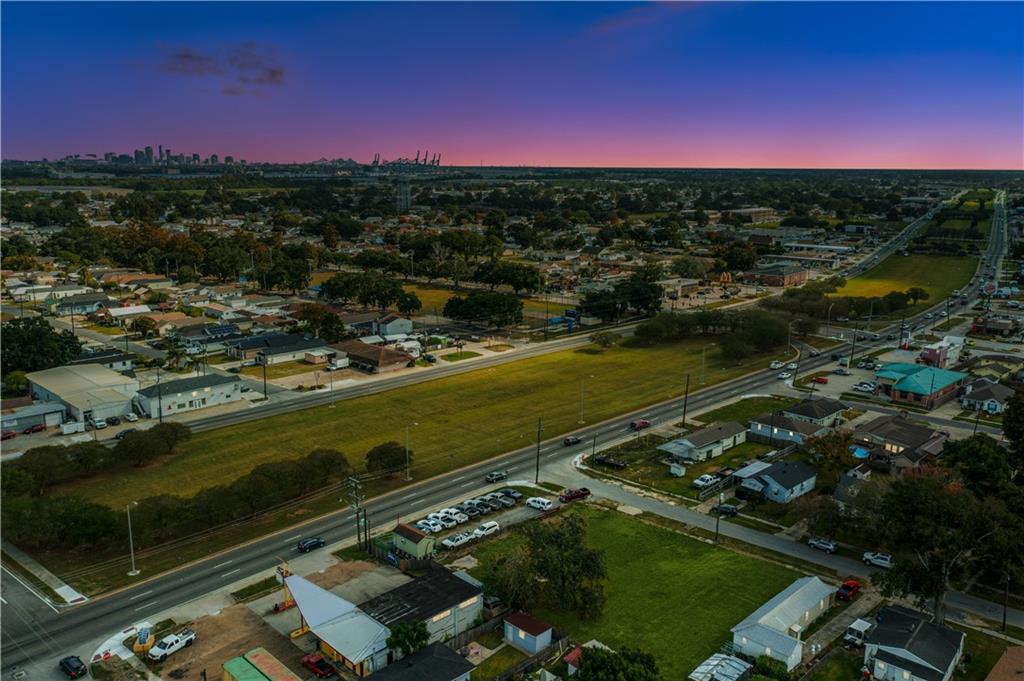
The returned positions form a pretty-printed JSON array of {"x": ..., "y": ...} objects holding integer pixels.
[{"x": 895, "y": 443}]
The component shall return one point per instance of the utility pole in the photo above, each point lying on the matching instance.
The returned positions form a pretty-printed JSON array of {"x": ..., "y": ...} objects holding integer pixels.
[
  {"x": 264, "y": 363},
  {"x": 718, "y": 514},
  {"x": 331, "y": 377},
  {"x": 131, "y": 541},
  {"x": 355, "y": 495},
  {"x": 408, "y": 477},
  {"x": 702, "y": 364},
  {"x": 686, "y": 398},
  {"x": 540, "y": 428},
  {"x": 159, "y": 396}
]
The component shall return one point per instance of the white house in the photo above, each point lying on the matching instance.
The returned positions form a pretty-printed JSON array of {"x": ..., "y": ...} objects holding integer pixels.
[
  {"x": 706, "y": 443},
  {"x": 907, "y": 646},
  {"x": 188, "y": 394},
  {"x": 776, "y": 628},
  {"x": 783, "y": 482},
  {"x": 986, "y": 395}
]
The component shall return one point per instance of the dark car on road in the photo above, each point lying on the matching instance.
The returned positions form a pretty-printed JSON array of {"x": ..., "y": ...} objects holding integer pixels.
[
  {"x": 73, "y": 667},
  {"x": 496, "y": 476},
  {"x": 610, "y": 462},
  {"x": 725, "y": 510},
  {"x": 639, "y": 424},
  {"x": 573, "y": 495},
  {"x": 311, "y": 544},
  {"x": 571, "y": 440}
]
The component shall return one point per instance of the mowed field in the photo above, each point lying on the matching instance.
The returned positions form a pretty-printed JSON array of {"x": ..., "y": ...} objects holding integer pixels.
[
  {"x": 455, "y": 420},
  {"x": 679, "y": 580},
  {"x": 936, "y": 274}
]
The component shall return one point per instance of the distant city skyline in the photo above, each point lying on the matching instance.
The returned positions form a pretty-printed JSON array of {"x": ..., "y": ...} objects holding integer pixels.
[{"x": 780, "y": 85}]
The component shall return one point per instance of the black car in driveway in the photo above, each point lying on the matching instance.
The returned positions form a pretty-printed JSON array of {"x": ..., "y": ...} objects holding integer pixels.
[
  {"x": 608, "y": 461},
  {"x": 311, "y": 544},
  {"x": 73, "y": 667}
]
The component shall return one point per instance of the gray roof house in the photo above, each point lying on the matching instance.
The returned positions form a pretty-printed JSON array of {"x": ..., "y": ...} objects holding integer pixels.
[
  {"x": 446, "y": 603},
  {"x": 821, "y": 411},
  {"x": 82, "y": 303},
  {"x": 776, "y": 428},
  {"x": 776, "y": 628},
  {"x": 907, "y": 646},
  {"x": 783, "y": 482},
  {"x": 986, "y": 395},
  {"x": 896, "y": 443},
  {"x": 706, "y": 443},
  {"x": 436, "y": 662}
]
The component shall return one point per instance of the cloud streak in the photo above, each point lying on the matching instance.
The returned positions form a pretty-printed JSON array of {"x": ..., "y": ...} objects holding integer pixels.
[
  {"x": 245, "y": 68},
  {"x": 637, "y": 17}
]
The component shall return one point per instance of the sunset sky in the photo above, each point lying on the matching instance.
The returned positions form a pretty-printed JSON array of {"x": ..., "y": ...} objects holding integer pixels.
[{"x": 873, "y": 85}]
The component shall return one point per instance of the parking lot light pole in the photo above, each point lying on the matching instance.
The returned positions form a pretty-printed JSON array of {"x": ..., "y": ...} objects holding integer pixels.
[
  {"x": 131, "y": 540},
  {"x": 718, "y": 514}
]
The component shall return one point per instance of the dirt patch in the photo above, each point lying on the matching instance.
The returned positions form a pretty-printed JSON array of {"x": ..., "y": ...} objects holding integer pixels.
[
  {"x": 340, "y": 572},
  {"x": 233, "y": 632}
]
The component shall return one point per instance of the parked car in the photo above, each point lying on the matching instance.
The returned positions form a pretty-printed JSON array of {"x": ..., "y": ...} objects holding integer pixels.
[
  {"x": 456, "y": 514},
  {"x": 496, "y": 476},
  {"x": 571, "y": 440},
  {"x": 705, "y": 480},
  {"x": 820, "y": 379},
  {"x": 8, "y": 434},
  {"x": 235, "y": 370},
  {"x": 849, "y": 590},
  {"x": 488, "y": 528},
  {"x": 882, "y": 560},
  {"x": 73, "y": 667},
  {"x": 321, "y": 668},
  {"x": 113, "y": 421},
  {"x": 131, "y": 417},
  {"x": 471, "y": 504},
  {"x": 457, "y": 540},
  {"x": 98, "y": 425},
  {"x": 37, "y": 428},
  {"x": 841, "y": 371},
  {"x": 310, "y": 544},
  {"x": 610, "y": 462},
  {"x": 539, "y": 503},
  {"x": 511, "y": 493},
  {"x": 124, "y": 433},
  {"x": 639, "y": 424},
  {"x": 573, "y": 494},
  {"x": 444, "y": 520},
  {"x": 784, "y": 375},
  {"x": 826, "y": 545},
  {"x": 726, "y": 510},
  {"x": 485, "y": 502},
  {"x": 501, "y": 499},
  {"x": 432, "y": 359},
  {"x": 171, "y": 644},
  {"x": 424, "y": 527}
]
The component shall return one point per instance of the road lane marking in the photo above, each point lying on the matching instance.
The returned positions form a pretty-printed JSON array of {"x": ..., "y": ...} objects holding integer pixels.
[
  {"x": 413, "y": 495},
  {"x": 147, "y": 605},
  {"x": 298, "y": 536},
  {"x": 227, "y": 562},
  {"x": 232, "y": 572},
  {"x": 134, "y": 598},
  {"x": 461, "y": 477},
  {"x": 468, "y": 484}
]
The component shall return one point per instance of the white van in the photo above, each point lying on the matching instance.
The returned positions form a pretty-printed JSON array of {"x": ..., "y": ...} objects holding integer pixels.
[
  {"x": 539, "y": 503},
  {"x": 490, "y": 527}
]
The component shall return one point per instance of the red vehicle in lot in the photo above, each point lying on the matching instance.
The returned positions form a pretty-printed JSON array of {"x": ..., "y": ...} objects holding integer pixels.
[
  {"x": 573, "y": 494},
  {"x": 849, "y": 590},
  {"x": 639, "y": 424},
  {"x": 38, "y": 428},
  {"x": 320, "y": 667},
  {"x": 820, "y": 379},
  {"x": 8, "y": 434}
]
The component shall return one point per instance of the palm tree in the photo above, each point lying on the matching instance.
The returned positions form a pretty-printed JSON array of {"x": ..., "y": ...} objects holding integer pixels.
[{"x": 174, "y": 355}]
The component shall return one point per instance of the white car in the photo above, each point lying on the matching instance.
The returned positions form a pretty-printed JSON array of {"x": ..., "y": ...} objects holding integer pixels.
[
  {"x": 457, "y": 540},
  {"x": 455, "y": 514},
  {"x": 928, "y": 315},
  {"x": 539, "y": 503},
  {"x": 776, "y": 365},
  {"x": 784, "y": 375},
  {"x": 791, "y": 366},
  {"x": 130, "y": 417},
  {"x": 434, "y": 526},
  {"x": 704, "y": 481},
  {"x": 490, "y": 527},
  {"x": 882, "y": 560},
  {"x": 424, "y": 527},
  {"x": 445, "y": 521}
]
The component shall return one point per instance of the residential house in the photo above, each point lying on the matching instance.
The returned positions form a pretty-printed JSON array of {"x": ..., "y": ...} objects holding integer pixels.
[
  {"x": 527, "y": 633},
  {"x": 123, "y": 315},
  {"x": 776, "y": 628},
  {"x": 895, "y": 443},
  {"x": 411, "y": 542},
  {"x": 906, "y": 645},
  {"x": 83, "y": 303},
  {"x": 783, "y": 482},
  {"x": 919, "y": 385},
  {"x": 706, "y": 443},
  {"x": 376, "y": 359},
  {"x": 445, "y": 602},
  {"x": 821, "y": 411},
  {"x": 297, "y": 347},
  {"x": 775, "y": 428},
  {"x": 199, "y": 336},
  {"x": 436, "y": 662},
  {"x": 86, "y": 390},
  {"x": 849, "y": 487},
  {"x": 392, "y": 325},
  {"x": 109, "y": 358},
  {"x": 344, "y": 634},
  {"x": 188, "y": 394},
  {"x": 987, "y": 396}
]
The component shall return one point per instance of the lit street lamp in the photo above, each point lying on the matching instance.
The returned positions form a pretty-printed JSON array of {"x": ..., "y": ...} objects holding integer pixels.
[{"x": 131, "y": 540}]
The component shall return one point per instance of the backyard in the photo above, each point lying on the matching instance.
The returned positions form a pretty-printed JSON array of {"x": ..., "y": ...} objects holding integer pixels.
[
  {"x": 680, "y": 580},
  {"x": 936, "y": 274},
  {"x": 461, "y": 419}
]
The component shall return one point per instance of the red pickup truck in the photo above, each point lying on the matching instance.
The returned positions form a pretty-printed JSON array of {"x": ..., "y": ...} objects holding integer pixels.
[
  {"x": 320, "y": 667},
  {"x": 573, "y": 494}
]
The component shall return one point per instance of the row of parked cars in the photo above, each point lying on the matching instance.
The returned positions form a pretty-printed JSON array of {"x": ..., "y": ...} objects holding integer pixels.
[{"x": 447, "y": 518}]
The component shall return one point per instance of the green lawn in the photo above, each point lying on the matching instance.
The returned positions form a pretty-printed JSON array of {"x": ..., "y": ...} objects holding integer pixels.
[
  {"x": 981, "y": 653},
  {"x": 936, "y": 274},
  {"x": 459, "y": 356},
  {"x": 744, "y": 410},
  {"x": 842, "y": 666},
  {"x": 280, "y": 370},
  {"x": 678, "y": 584},
  {"x": 460, "y": 419},
  {"x": 499, "y": 662}
]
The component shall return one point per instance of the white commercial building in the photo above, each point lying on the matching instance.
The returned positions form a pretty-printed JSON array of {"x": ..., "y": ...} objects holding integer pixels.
[
  {"x": 188, "y": 394},
  {"x": 87, "y": 390}
]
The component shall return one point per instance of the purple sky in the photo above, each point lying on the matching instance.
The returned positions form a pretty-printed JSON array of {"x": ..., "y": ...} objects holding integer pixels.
[{"x": 883, "y": 85}]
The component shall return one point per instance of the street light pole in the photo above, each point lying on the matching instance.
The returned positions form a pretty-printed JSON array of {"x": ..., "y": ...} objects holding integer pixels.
[
  {"x": 540, "y": 427},
  {"x": 702, "y": 354},
  {"x": 131, "y": 540},
  {"x": 581, "y": 400},
  {"x": 718, "y": 515},
  {"x": 408, "y": 475}
]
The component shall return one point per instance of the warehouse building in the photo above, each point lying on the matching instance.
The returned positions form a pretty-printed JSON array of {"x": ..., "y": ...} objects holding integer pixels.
[
  {"x": 188, "y": 394},
  {"x": 86, "y": 390}
]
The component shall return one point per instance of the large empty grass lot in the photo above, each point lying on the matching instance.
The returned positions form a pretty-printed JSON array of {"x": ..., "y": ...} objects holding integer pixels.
[
  {"x": 458, "y": 420},
  {"x": 679, "y": 589},
  {"x": 936, "y": 274}
]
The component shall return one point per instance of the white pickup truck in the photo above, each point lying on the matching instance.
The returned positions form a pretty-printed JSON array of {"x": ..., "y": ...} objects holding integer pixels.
[{"x": 171, "y": 644}]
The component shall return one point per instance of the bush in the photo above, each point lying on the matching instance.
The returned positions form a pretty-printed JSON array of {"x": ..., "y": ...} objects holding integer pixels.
[{"x": 771, "y": 668}]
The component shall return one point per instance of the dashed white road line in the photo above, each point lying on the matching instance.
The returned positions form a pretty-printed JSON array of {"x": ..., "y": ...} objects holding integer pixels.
[
  {"x": 226, "y": 574},
  {"x": 227, "y": 562},
  {"x": 147, "y": 605},
  {"x": 141, "y": 595}
]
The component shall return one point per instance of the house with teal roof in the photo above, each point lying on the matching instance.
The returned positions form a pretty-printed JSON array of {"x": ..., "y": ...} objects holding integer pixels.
[{"x": 919, "y": 385}]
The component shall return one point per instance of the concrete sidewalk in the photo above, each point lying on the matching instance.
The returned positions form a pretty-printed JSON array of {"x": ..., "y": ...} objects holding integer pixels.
[{"x": 51, "y": 580}]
